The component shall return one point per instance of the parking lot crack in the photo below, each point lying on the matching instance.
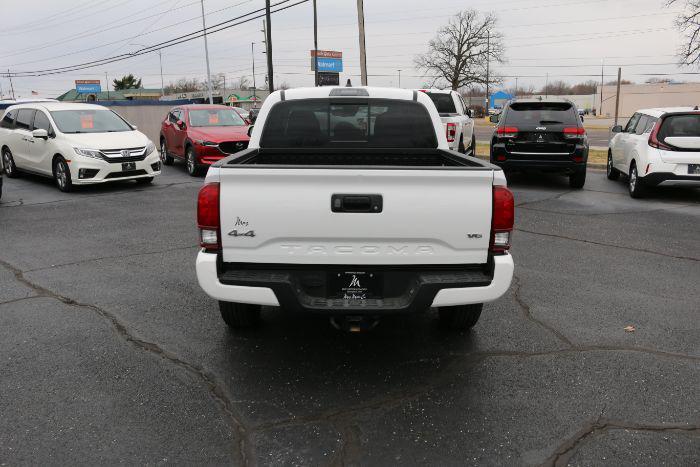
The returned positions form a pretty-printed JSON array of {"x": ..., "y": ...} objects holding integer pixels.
[
  {"x": 525, "y": 307},
  {"x": 610, "y": 245},
  {"x": 244, "y": 451},
  {"x": 566, "y": 450}
]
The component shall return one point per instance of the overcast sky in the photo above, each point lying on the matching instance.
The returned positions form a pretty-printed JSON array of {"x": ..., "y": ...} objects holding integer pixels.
[{"x": 566, "y": 38}]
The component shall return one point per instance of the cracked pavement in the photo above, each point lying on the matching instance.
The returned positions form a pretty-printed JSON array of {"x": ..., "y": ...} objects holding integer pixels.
[{"x": 110, "y": 352}]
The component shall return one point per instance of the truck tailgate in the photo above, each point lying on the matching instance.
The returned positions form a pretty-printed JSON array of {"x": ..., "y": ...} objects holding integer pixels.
[{"x": 284, "y": 215}]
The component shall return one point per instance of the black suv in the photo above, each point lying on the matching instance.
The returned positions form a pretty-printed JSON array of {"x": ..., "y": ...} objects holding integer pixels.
[{"x": 543, "y": 135}]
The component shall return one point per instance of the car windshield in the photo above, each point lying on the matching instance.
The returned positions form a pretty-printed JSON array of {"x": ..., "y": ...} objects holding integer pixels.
[
  {"x": 89, "y": 121},
  {"x": 215, "y": 117},
  {"x": 443, "y": 102},
  {"x": 541, "y": 113},
  {"x": 374, "y": 123}
]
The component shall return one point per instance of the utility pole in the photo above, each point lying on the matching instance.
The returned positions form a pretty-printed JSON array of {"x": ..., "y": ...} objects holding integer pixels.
[
  {"x": 602, "y": 67},
  {"x": 617, "y": 100},
  {"x": 206, "y": 53},
  {"x": 363, "y": 52},
  {"x": 107, "y": 85},
  {"x": 315, "y": 46},
  {"x": 252, "y": 53},
  {"x": 546, "y": 87},
  {"x": 516, "y": 88},
  {"x": 12, "y": 88},
  {"x": 268, "y": 43},
  {"x": 399, "y": 78},
  {"x": 162, "y": 85},
  {"x": 488, "y": 64}
]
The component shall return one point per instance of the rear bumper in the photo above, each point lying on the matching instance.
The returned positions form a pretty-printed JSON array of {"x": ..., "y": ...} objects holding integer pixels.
[
  {"x": 656, "y": 178},
  {"x": 555, "y": 162},
  {"x": 274, "y": 287}
]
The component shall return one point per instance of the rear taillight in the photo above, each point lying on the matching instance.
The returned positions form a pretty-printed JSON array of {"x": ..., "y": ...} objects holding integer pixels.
[
  {"x": 502, "y": 219},
  {"x": 451, "y": 132},
  {"x": 574, "y": 132},
  {"x": 507, "y": 132},
  {"x": 208, "y": 219},
  {"x": 654, "y": 138}
]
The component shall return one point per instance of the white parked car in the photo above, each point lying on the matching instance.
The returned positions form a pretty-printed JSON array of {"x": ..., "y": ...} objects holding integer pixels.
[
  {"x": 76, "y": 144},
  {"x": 348, "y": 203},
  {"x": 456, "y": 119},
  {"x": 657, "y": 146}
]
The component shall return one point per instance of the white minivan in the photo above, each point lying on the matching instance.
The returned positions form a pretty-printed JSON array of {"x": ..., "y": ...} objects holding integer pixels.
[
  {"x": 75, "y": 144},
  {"x": 657, "y": 146}
]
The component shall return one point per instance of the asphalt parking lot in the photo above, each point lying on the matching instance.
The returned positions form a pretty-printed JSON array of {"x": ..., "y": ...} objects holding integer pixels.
[{"x": 110, "y": 352}]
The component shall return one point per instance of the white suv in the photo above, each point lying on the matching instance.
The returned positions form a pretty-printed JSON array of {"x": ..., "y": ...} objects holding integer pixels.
[
  {"x": 76, "y": 144},
  {"x": 657, "y": 146}
]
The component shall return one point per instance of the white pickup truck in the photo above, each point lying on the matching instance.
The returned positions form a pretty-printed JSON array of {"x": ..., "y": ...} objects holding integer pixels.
[
  {"x": 456, "y": 119},
  {"x": 349, "y": 203}
]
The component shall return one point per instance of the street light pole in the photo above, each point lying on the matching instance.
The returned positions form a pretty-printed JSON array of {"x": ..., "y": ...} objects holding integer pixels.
[
  {"x": 206, "y": 53},
  {"x": 363, "y": 53},
  {"x": 252, "y": 53},
  {"x": 315, "y": 46},
  {"x": 268, "y": 40},
  {"x": 399, "y": 78},
  {"x": 162, "y": 84}
]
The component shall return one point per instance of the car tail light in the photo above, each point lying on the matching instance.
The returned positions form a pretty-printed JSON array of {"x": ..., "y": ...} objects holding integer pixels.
[
  {"x": 574, "y": 132},
  {"x": 654, "y": 138},
  {"x": 502, "y": 220},
  {"x": 208, "y": 218},
  {"x": 507, "y": 132},
  {"x": 451, "y": 132}
]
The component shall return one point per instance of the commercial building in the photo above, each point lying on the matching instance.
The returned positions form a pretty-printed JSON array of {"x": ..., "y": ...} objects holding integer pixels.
[
  {"x": 643, "y": 96},
  {"x": 121, "y": 95},
  {"x": 246, "y": 98}
]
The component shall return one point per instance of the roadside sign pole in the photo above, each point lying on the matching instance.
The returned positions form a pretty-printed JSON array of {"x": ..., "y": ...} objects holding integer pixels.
[
  {"x": 206, "y": 53},
  {"x": 252, "y": 53},
  {"x": 363, "y": 52},
  {"x": 162, "y": 85},
  {"x": 617, "y": 99},
  {"x": 270, "y": 83},
  {"x": 315, "y": 46}
]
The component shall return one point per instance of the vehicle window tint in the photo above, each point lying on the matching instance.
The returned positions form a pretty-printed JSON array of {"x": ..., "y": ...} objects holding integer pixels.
[
  {"x": 215, "y": 117},
  {"x": 541, "y": 113},
  {"x": 377, "y": 123},
  {"x": 650, "y": 124},
  {"x": 8, "y": 121},
  {"x": 24, "y": 119},
  {"x": 443, "y": 102},
  {"x": 41, "y": 122},
  {"x": 680, "y": 125},
  {"x": 631, "y": 125},
  {"x": 641, "y": 125}
]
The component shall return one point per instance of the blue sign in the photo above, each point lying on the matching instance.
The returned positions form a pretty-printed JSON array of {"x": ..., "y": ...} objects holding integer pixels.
[
  {"x": 333, "y": 65},
  {"x": 88, "y": 88}
]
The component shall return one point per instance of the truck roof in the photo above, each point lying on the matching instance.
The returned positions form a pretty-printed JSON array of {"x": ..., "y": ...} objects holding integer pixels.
[
  {"x": 659, "y": 111},
  {"x": 325, "y": 91}
]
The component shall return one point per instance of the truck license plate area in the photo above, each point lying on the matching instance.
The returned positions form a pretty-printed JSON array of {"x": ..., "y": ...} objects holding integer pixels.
[{"x": 354, "y": 285}]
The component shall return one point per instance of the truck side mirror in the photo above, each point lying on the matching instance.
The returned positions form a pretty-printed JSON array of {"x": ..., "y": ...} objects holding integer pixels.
[{"x": 250, "y": 130}]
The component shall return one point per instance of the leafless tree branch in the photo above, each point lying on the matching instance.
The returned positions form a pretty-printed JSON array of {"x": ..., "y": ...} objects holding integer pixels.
[{"x": 688, "y": 22}]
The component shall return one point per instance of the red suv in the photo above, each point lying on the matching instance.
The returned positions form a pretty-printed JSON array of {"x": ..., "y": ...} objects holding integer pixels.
[{"x": 201, "y": 135}]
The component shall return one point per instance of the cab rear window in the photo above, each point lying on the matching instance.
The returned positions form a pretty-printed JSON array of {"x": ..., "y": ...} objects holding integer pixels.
[
  {"x": 443, "y": 102},
  {"x": 680, "y": 125},
  {"x": 541, "y": 113},
  {"x": 349, "y": 123}
]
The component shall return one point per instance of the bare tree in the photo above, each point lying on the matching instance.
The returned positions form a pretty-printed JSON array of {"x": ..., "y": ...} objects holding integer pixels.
[
  {"x": 688, "y": 22},
  {"x": 183, "y": 85},
  {"x": 458, "y": 54},
  {"x": 244, "y": 83}
]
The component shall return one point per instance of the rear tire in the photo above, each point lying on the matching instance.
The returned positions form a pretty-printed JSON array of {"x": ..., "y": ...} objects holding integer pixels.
[
  {"x": 61, "y": 175},
  {"x": 164, "y": 157},
  {"x": 611, "y": 172},
  {"x": 460, "y": 317},
  {"x": 578, "y": 179},
  {"x": 635, "y": 185},
  {"x": 9, "y": 163},
  {"x": 239, "y": 315}
]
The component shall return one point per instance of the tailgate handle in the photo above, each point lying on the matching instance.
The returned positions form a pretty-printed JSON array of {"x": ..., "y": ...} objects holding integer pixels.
[{"x": 357, "y": 203}]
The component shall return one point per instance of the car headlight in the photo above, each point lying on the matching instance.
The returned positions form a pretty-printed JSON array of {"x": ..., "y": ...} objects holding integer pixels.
[
  {"x": 94, "y": 153},
  {"x": 205, "y": 143},
  {"x": 150, "y": 147}
]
